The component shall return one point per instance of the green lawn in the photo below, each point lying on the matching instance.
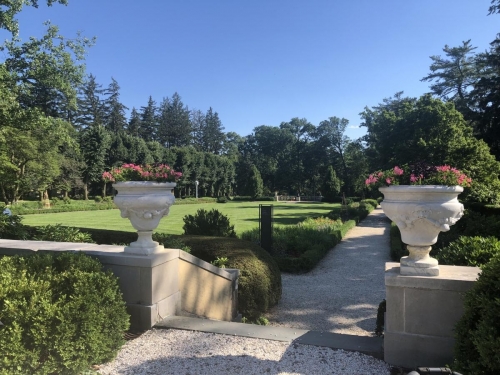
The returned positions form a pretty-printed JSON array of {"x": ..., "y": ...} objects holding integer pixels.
[{"x": 243, "y": 215}]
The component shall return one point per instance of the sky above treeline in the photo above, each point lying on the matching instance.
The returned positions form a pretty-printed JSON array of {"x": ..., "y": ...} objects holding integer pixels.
[{"x": 263, "y": 62}]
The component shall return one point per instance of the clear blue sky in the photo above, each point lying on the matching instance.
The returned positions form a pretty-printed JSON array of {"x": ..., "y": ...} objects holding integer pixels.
[{"x": 262, "y": 62}]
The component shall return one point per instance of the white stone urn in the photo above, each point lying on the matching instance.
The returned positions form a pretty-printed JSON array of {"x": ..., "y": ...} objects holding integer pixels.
[
  {"x": 144, "y": 203},
  {"x": 421, "y": 212}
]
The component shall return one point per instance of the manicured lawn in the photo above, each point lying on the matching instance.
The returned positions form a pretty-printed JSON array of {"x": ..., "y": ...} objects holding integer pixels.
[{"x": 243, "y": 215}]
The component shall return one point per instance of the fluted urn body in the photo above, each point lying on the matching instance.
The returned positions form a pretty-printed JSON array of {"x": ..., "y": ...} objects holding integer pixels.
[
  {"x": 421, "y": 212},
  {"x": 144, "y": 203}
]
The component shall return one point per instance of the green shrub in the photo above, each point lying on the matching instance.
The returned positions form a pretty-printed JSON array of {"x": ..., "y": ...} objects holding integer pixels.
[
  {"x": 55, "y": 201},
  {"x": 477, "y": 334},
  {"x": 11, "y": 227},
  {"x": 259, "y": 286},
  {"x": 98, "y": 199},
  {"x": 61, "y": 233},
  {"x": 398, "y": 248},
  {"x": 67, "y": 200},
  {"x": 372, "y": 202},
  {"x": 208, "y": 223},
  {"x": 171, "y": 242},
  {"x": 221, "y": 262},
  {"x": 468, "y": 251},
  {"x": 107, "y": 199},
  {"x": 221, "y": 200},
  {"x": 60, "y": 312}
]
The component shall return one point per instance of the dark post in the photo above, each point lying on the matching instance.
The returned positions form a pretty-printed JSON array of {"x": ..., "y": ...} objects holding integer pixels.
[{"x": 266, "y": 226}]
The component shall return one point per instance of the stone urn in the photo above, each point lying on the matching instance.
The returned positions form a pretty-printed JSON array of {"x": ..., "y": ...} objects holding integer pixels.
[
  {"x": 144, "y": 203},
  {"x": 421, "y": 212}
]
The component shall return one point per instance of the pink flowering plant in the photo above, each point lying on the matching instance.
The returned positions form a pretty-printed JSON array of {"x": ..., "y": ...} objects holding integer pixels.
[
  {"x": 132, "y": 172},
  {"x": 419, "y": 174}
]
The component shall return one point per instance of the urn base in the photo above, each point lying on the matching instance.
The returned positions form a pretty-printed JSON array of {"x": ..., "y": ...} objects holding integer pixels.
[
  {"x": 144, "y": 245},
  {"x": 419, "y": 263}
]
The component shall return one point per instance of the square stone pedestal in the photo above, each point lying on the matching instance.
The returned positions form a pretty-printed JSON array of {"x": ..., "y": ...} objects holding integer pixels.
[{"x": 421, "y": 314}]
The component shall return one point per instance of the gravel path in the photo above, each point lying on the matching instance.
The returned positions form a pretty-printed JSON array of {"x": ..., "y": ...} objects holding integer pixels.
[{"x": 340, "y": 295}]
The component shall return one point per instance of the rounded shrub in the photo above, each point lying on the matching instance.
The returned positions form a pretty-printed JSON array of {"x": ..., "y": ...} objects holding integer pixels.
[
  {"x": 61, "y": 313},
  {"x": 208, "y": 223},
  {"x": 469, "y": 251},
  {"x": 259, "y": 286},
  {"x": 477, "y": 334}
]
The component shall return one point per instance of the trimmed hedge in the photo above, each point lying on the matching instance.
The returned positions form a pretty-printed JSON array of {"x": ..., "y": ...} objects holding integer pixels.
[
  {"x": 483, "y": 209},
  {"x": 259, "y": 286},
  {"x": 60, "y": 312},
  {"x": 477, "y": 344}
]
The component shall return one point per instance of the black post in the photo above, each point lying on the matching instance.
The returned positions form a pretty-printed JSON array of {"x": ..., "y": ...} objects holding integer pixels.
[{"x": 266, "y": 226}]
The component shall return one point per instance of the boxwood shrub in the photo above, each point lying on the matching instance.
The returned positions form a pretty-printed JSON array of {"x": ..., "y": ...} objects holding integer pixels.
[
  {"x": 468, "y": 251},
  {"x": 477, "y": 334},
  {"x": 259, "y": 285},
  {"x": 60, "y": 314}
]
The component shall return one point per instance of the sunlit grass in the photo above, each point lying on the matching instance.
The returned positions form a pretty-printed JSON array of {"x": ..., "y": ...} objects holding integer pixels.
[{"x": 243, "y": 215}]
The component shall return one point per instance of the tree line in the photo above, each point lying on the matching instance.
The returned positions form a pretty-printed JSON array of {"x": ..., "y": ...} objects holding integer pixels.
[{"x": 60, "y": 129}]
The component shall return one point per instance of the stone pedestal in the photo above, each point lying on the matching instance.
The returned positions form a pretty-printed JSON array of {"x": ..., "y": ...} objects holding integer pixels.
[{"x": 421, "y": 315}]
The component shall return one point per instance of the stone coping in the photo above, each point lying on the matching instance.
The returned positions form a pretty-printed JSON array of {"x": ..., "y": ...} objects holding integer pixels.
[
  {"x": 456, "y": 278},
  {"x": 112, "y": 254}
]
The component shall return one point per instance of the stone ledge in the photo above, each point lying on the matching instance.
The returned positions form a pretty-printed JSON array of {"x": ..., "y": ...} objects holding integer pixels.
[{"x": 454, "y": 278}]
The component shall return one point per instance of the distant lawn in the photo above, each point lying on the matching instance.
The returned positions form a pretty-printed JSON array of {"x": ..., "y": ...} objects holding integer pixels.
[{"x": 243, "y": 215}]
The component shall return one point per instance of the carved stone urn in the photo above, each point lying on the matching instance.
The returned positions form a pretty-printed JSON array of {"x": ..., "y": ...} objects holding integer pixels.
[
  {"x": 144, "y": 203},
  {"x": 421, "y": 212}
]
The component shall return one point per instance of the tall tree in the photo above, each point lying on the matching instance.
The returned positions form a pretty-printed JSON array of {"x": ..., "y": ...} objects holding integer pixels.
[
  {"x": 149, "y": 124},
  {"x": 134, "y": 124},
  {"x": 94, "y": 144},
  {"x": 48, "y": 71},
  {"x": 115, "y": 120},
  {"x": 174, "y": 125},
  {"x": 212, "y": 133},
  {"x": 197, "y": 119},
  {"x": 428, "y": 130},
  {"x": 91, "y": 105}
]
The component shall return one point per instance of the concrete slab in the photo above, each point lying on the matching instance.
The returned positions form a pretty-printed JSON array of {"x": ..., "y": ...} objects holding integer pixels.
[{"x": 367, "y": 345}]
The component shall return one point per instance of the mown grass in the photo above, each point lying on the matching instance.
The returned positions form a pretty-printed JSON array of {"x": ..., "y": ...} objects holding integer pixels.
[{"x": 243, "y": 215}]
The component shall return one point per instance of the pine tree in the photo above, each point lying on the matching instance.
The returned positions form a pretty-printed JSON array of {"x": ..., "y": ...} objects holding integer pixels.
[
  {"x": 331, "y": 185},
  {"x": 134, "y": 124},
  {"x": 149, "y": 124},
  {"x": 212, "y": 133},
  {"x": 115, "y": 111},
  {"x": 174, "y": 125},
  {"x": 91, "y": 109}
]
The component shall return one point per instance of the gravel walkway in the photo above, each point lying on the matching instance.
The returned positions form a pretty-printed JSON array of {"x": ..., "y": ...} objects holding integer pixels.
[{"x": 340, "y": 295}]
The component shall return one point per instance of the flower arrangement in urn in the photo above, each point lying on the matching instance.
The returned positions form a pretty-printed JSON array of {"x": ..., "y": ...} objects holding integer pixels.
[
  {"x": 132, "y": 172},
  {"x": 419, "y": 174}
]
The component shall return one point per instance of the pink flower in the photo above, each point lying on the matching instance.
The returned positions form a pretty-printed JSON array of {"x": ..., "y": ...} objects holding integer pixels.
[
  {"x": 398, "y": 171},
  {"x": 388, "y": 180}
]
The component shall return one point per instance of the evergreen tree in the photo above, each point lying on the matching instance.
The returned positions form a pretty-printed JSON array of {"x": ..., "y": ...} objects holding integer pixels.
[
  {"x": 91, "y": 105},
  {"x": 94, "y": 144},
  {"x": 115, "y": 111},
  {"x": 255, "y": 185},
  {"x": 134, "y": 124},
  {"x": 212, "y": 133},
  {"x": 331, "y": 185},
  {"x": 174, "y": 125},
  {"x": 197, "y": 119},
  {"x": 149, "y": 124}
]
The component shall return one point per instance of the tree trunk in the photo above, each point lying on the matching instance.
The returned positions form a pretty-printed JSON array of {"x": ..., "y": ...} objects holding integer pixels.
[{"x": 85, "y": 192}]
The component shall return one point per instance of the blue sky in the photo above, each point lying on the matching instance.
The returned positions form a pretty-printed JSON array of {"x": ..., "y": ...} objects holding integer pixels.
[{"x": 262, "y": 62}]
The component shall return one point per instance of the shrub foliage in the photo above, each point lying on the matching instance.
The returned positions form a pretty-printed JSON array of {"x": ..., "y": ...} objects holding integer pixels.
[
  {"x": 208, "y": 223},
  {"x": 60, "y": 312},
  {"x": 478, "y": 332}
]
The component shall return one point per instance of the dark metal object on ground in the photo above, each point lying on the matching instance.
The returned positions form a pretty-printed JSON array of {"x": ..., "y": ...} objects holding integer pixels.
[{"x": 266, "y": 226}]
